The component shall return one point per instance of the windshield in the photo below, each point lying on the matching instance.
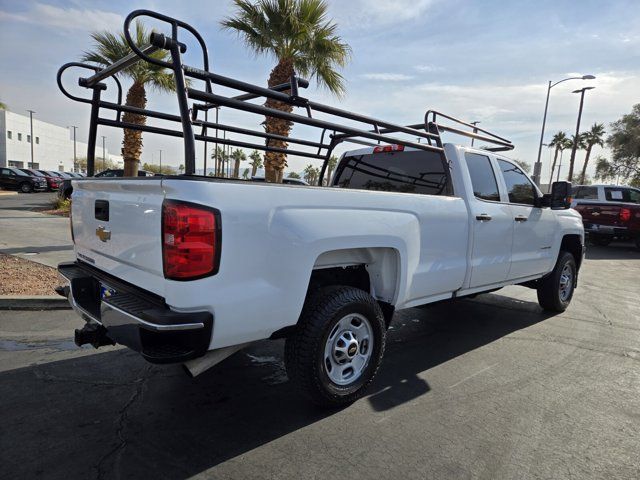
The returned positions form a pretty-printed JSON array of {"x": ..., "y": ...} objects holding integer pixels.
[
  {"x": 17, "y": 171},
  {"x": 33, "y": 172}
]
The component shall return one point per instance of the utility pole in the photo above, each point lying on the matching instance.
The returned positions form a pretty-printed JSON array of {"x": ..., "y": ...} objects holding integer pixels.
[
  {"x": 31, "y": 112},
  {"x": 475, "y": 130},
  {"x": 75, "y": 158},
  {"x": 103, "y": 137},
  {"x": 574, "y": 148}
]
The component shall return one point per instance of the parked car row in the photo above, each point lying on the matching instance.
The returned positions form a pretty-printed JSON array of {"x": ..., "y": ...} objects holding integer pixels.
[
  {"x": 29, "y": 180},
  {"x": 608, "y": 212}
]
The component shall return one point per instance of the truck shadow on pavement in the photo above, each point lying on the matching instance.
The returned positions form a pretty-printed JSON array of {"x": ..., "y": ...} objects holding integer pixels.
[
  {"x": 614, "y": 251},
  {"x": 112, "y": 415}
]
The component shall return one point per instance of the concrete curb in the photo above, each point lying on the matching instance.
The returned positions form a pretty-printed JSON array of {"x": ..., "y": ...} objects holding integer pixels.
[
  {"x": 5, "y": 192},
  {"x": 33, "y": 302}
]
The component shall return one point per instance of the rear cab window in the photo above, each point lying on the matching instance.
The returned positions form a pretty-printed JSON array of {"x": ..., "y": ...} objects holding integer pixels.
[
  {"x": 627, "y": 195},
  {"x": 413, "y": 171}
]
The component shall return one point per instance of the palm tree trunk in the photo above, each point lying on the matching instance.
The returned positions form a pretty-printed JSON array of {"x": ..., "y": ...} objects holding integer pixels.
[
  {"x": 553, "y": 168},
  {"x": 254, "y": 169},
  {"x": 132, "y": 142},
  {"x": 586, "y": 161},
  {"x": 236, "y": 169},
  {"x": 275, "y": 163}
]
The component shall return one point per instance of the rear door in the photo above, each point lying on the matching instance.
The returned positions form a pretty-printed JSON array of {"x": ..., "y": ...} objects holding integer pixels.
[
  {"x": 492, "y": 224},
  {"x": 533, "y": 227}
]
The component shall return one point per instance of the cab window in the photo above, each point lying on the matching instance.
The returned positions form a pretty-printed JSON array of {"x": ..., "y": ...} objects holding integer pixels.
[
  {"x": 483, "y": 179},
  {"x": 586, "y": 193},
  {"x": 519, "y": 187},
  {"x": 402, "y": 171},
  {"x": 628, "y": 195}
]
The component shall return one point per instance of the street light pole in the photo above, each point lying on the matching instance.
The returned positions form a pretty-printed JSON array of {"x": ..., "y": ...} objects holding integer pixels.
[
  {"x": 75, "y": 158},
  {"x": 103, "y": 137},
  {"x": 574, "y": 148},
  {"x": 475, "y": 130},
  {"x": 537, "y": 167},
  {"x": 31, "y": 112},
  {"x": 161, "y": 161}
]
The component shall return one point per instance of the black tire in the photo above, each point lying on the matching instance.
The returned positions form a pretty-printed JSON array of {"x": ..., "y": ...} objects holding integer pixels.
[
  {"x": 600, "y": 240},
  {"x": 305, "y": 348},
  {"x": 26, "y": 187},
  {"x": 550, "y": 296}
]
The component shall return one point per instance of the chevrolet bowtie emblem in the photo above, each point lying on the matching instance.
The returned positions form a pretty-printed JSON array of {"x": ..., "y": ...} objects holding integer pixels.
[{"x": 103, "y": 234}]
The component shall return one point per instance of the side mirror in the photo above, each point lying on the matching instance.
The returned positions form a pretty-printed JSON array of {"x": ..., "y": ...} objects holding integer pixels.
[{"x": 560, "y": 195}]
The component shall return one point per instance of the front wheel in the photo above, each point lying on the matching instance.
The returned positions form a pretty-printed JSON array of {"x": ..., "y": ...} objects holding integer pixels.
[
  {"x": 556, "y": 289},
  {"x": 26, "y": 187},
  {"x": 338, "y": 345}
]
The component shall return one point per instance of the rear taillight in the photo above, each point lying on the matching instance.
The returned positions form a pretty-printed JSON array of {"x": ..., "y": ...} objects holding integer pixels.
[
  {"x": 388, "y": 148},
  {"x": 625, "y": 214},
  {"x": 190, "y": 240}
]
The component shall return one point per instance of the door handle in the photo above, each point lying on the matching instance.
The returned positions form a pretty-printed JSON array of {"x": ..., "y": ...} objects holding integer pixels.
[
  {"x": 521, "y": 218},
  {"x": 483, "y": 217}
]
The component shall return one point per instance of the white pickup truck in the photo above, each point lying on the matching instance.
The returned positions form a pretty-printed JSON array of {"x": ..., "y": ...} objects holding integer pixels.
[
  {"x": 189, "y": 269},
  {"x": 177, "y": 267}
]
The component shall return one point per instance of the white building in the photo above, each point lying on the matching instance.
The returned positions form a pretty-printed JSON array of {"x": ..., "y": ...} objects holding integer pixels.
[{"x": 52, "y": 144}]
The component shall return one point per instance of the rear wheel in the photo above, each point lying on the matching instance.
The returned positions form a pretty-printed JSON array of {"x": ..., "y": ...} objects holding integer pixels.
[
  {"x": 26, "y": 187},
  {"x": 338, "y": 345},
  {"x": 555, "y": 291}
]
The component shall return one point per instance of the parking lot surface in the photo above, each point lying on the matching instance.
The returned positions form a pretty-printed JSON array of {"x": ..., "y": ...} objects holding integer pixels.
[
  {"x": 28, "y": 234},
  {"x": 490, "y": 388}
]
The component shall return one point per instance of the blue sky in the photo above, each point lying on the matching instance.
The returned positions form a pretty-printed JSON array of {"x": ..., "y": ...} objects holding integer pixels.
[{"x": 488, "y": 61}]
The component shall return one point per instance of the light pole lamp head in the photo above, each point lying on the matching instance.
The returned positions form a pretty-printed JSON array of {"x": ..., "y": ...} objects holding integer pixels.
[
  {"x": 583, "y": 89},
  {"x": 588, "y": 77}
]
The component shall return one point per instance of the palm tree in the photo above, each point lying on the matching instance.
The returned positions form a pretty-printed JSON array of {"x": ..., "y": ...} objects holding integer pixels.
[
  {"x": 109, "y": 48},
  {"x": 238, "y": 156},
  {"x": 333, "y": 161},
  {"x": 302, "y": 39},
  {"x": 256, "y": 162},
  {"x": 220, "y": 156},
  {"x": 559, "y": 142},
  {"x": 592, "y": 137},
  {"x": 308, "y": 173},
  {"x": 580, "y": 145}
]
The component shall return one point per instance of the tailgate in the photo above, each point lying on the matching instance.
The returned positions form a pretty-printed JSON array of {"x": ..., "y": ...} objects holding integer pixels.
[
  {"x": 117, "y": 228},
  {"x": 600, "y": 213}
]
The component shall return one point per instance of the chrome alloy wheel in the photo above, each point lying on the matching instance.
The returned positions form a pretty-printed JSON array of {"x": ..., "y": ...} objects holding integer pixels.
[
  {"x": 348, "y": 349},
  {"x": 566, "y": 283}
]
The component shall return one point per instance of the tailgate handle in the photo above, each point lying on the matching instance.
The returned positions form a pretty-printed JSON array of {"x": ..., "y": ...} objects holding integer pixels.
[{"x": 102, "y": 210}]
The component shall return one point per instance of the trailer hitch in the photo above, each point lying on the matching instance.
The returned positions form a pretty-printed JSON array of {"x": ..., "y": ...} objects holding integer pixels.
[{"x": 93, "y": 334}]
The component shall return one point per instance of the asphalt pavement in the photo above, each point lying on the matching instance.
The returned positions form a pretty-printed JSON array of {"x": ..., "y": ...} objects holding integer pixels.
[
  {"x": 26, "y": 233},
  {"x": 489, "y": 388}
]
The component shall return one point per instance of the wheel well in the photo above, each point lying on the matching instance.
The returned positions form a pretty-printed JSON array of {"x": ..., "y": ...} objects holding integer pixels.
[
  {"x": 353, "y": 276},
  {"x": 573, "y": 245}
]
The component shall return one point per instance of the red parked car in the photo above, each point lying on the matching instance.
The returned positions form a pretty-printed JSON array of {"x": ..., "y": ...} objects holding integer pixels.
[
  {"x": 53, "y": 182},
  {"x": 608, "y": 212}
]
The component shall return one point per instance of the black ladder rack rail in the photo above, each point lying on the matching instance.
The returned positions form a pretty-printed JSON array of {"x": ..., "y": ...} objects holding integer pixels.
[{"x": 370, "y": 131}]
